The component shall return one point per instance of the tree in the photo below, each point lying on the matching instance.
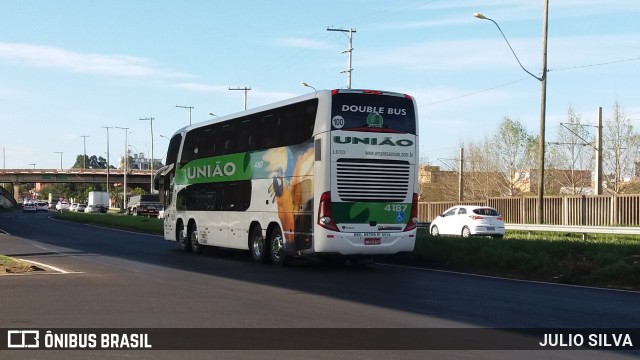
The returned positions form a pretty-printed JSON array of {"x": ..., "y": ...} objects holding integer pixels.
[
  {"x": 620, "y": 148},
  {"x": 512, "y": 151},
  {"x": 93, "y": 162}
]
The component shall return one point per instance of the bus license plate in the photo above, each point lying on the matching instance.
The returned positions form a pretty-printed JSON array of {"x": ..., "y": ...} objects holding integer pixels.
[{"x": 372, "y": 241}]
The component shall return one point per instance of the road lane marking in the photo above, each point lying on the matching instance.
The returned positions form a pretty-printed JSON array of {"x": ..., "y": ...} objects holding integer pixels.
[
  {"x": 50, "y": 267},
  {"x": 506, "y": 279}
]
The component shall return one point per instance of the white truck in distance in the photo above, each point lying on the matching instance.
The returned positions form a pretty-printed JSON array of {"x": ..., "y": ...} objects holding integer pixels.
[
  {"x": 147, "y": 205},
  {"x": 99, "y": 199}
]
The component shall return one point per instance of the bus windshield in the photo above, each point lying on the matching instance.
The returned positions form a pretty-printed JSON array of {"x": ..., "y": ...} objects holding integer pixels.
[{"x": 373, "y": 113}]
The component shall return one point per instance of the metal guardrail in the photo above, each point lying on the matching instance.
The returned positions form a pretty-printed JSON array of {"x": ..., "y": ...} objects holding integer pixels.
[{"x": 620, "y": 230}]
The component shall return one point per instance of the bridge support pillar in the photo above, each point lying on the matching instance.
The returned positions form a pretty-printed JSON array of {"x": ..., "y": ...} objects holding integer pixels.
[{"x": 16, "y": 191}]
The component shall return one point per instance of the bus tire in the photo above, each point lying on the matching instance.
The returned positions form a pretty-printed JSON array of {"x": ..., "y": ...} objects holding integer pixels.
[
  {"x": 196, "y": 247},
  {"x": 258, "y": 245},
  {"x": 276, "y": 245},
  {"x": 181, "y": 236}
]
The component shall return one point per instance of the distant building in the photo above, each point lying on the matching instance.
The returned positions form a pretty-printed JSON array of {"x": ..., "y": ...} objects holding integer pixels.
[{"x": 557, "y": 181}]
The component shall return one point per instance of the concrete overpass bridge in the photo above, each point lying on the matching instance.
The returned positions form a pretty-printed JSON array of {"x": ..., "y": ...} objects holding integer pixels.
[{"x": 139, "y": 178}]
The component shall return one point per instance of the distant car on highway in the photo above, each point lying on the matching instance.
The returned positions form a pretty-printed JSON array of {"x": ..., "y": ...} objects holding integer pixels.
[
  {"x": 92, "y": 209},
  {"x": 42, "y": 206},
  {"x": 81, "y": 207},
  {"x": 466, "y": 221},
  {"x": 29, "y": 207},
  {"x": 62, "y": 205},
  {"x": 73, "y": 206}
]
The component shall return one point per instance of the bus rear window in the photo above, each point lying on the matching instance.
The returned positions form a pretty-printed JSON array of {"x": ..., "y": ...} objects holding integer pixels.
[{"x": 374, "y": 113}]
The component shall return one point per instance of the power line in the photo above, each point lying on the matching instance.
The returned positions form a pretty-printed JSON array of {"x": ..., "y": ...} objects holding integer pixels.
[
  {"x": 473, "y": 93},
  {"x": 515, "y": 81},
  {"x": 596, "y": 64}
]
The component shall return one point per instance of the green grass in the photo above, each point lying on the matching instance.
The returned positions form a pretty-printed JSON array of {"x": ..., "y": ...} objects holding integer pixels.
[
  {"x": 602, "y": 260},
  {"x": 11, "y": 265},
  {"x": 114, "y": 220}
]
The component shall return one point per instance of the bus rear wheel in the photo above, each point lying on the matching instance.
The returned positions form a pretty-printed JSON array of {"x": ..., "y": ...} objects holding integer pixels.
[
  {"x": 258, "y": 246},
  {"x": 181, "y": 235},
  {"x": 276, "y": 244},
  {"x": 193, "y": 238}
]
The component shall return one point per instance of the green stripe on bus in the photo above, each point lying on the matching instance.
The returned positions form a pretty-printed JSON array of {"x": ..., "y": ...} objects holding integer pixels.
[{"x": 365, "y": 212}]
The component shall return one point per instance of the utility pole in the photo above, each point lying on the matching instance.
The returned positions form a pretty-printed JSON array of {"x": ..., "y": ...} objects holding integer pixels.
[
  {"x": 598, "y": 178},
  {"x": 349, "y": 51},
  {"x": 461, "y": 177},
  {"x": 107, "y": 127},
  {"x": 84, "y": 140},
  {"x": 150, "y": 119},
  {"x": 188, "y": 108},
  {"x": 245, "y": 89},
  {"x": 126, "y": 166}
]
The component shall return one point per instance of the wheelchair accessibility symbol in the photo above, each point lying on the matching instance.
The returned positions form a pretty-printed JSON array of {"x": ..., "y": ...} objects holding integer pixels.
[{"x": 399, "y": 216}]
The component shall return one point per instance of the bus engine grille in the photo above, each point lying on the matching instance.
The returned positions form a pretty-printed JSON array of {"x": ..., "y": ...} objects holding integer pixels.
[{"x": 372, "y": 180}]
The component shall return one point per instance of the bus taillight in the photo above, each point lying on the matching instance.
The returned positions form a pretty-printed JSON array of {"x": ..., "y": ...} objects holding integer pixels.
[
  {"x": 325, "y": 218},
  {"x": 413, "y": 218}
]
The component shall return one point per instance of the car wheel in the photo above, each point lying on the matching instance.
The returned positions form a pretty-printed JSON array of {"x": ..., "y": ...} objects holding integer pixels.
[
  {"x": 181, "y": 234},
  {"x": 466, "y": 232},
  {"x": 258, "y": 245},
  {"x": 435, "y": 231},
  {"x": 196, "y": 247},
  {"x": 276, "y": 244}
]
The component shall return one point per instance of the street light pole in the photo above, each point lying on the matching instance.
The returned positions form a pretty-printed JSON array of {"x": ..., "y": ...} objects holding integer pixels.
[
  {"x": 188, "y": 108},
  {"x": 108, "y": 127},
  {"x": 543, "y": 103},
  {"x": 59, "y": 152},
  {"x": 150, "y": 119},
  {"x": 84, "y": 140},
  {"x": 126, "y": 166}
]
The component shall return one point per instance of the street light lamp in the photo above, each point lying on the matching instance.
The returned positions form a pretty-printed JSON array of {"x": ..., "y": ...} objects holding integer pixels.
[
  {"x": 543, "y": 102},
  {"x": 309, "y": 86},
  {"x": 212, "y": 114}
]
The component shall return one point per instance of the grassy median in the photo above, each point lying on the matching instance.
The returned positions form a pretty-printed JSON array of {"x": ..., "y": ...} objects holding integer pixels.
[
  {"x": 601, "y": 260},
  {"x": 115, "y": 220}
]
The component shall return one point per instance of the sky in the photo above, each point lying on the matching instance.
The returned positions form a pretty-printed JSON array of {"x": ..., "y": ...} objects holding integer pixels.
[{"x": 68, "y": 68}]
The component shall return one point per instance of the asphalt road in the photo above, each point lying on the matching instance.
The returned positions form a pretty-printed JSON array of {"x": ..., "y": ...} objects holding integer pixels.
[{"x": 118, "y": 279}]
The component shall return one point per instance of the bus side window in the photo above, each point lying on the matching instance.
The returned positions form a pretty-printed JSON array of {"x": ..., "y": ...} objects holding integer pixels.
[{"x": 229, "y": 139}]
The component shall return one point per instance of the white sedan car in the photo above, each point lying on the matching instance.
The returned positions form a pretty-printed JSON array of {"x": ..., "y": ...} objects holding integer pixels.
[{"x": 466, "y": 221}]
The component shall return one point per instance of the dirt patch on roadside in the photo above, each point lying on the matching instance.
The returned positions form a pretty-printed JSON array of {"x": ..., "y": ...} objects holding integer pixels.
[{"x": 12, "y": 266}]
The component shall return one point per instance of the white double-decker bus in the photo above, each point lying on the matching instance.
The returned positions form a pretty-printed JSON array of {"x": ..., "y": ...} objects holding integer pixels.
[{"x": 331, "y": 173}]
